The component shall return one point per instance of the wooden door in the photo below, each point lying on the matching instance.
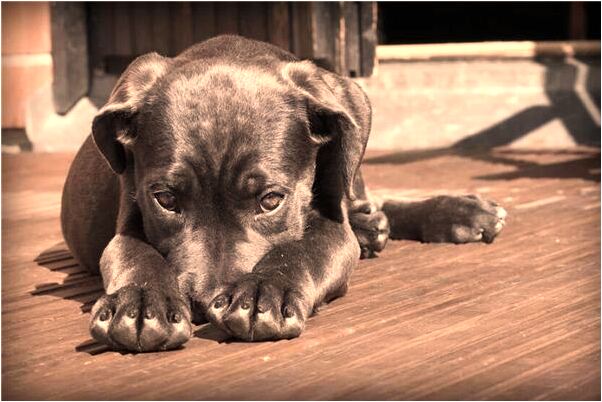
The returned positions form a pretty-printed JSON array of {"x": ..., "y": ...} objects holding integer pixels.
[{"x": 340, "y": 36}]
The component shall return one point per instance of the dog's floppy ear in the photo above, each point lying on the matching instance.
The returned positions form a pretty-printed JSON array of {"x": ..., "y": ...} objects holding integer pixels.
[
  {"x": 113, "y": 126},
  {"x": 331, "y": 124}
]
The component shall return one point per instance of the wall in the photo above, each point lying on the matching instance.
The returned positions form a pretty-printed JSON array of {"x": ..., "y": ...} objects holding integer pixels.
[
  {"x": 26, "y": 58},
  {"x": 551, "y": 102}
]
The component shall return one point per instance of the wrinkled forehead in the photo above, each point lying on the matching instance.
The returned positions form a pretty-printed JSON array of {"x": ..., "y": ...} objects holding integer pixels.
[
  {"x": 223, "y": 97},
  {"x": 225, "y": 116}
]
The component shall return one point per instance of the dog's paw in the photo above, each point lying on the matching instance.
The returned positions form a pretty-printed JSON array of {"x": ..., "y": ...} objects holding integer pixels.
[
  {"x": 258, "y": 308},
  {"x": 371, "y": 227},
  {"x": 462, "y": 219},
  {"x": 141, "y": 320}
]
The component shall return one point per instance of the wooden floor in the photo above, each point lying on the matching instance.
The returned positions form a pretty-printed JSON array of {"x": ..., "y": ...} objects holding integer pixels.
[{"x": 517, "y": 319}]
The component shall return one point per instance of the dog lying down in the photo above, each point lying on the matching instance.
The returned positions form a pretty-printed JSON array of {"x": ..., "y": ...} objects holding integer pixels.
[{"x": 224, "y": 185}]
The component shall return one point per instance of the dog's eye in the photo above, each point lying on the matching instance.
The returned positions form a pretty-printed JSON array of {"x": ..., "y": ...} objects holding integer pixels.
[
  {"x": 167, "y": 200},
  {"x": 270, "y": 201}
]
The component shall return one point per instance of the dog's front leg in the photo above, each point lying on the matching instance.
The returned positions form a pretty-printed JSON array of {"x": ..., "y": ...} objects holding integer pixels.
[
  {"x": 142, "y": 309},
  {"x": 283, "y": 290}
]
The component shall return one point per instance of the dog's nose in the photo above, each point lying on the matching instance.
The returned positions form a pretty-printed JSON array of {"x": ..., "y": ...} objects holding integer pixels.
[{"x": 198, "y": 313}]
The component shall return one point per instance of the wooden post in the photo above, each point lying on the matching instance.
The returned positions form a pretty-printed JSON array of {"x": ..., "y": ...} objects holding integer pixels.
[
  {"x": 69, "y": 54},
  {"x": 301, "y": 29},
  {"x": 368, "y": 16},
  {"x": 340, "y": 43},
  {"x": 122, "y": 32},
  {"x": 352, "y": 39},
  {"x": 203, "y": 20},
  {"x": 343, "y": 36},
  {"x": 226, "y": 14},
  {"x": 181, "y": 26},
  {"x": 160, "y": 27},
  {"x": 328, "y": 36},
  {"x": 101, "y": 28},
  {"x": 279, "y": 25},
  {"x": 142, "y": 28},
  {"x": 252, "y": 20}
]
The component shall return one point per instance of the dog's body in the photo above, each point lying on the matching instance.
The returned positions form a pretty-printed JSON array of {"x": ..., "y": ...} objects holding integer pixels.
[{"x": 224, "y": 184}]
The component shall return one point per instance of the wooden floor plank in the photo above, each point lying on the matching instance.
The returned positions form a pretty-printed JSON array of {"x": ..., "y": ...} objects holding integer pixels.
[{"x": 517, "y": 319}]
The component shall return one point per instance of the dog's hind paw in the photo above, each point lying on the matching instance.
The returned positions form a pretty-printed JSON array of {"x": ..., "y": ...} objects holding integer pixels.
[
  {"x": 140, "y": 320},
  {"x": 462, "y": 219},
  {"x": 371, "y": 227},
  {"x": 257, "y": 308}
]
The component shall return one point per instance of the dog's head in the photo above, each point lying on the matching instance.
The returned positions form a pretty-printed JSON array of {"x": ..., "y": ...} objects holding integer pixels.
[{"x": 225, "y": 161}]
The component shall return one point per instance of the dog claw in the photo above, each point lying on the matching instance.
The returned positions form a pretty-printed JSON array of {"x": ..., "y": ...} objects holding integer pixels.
[
  {"x": 371, "y": 230},
  {"x": 115, "y": 320},
  {"x": 272, "y": 314}
]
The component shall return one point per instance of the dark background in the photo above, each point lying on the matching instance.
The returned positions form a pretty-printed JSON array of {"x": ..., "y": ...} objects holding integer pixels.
[{"x": 439, "y": 22}]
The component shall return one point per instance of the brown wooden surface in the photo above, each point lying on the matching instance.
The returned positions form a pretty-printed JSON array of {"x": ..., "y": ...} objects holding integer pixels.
[{"x": 517, "y": 319}]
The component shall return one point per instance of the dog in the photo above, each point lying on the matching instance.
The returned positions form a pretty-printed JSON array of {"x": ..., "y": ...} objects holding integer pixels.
[{"x": 223, "y": 185}]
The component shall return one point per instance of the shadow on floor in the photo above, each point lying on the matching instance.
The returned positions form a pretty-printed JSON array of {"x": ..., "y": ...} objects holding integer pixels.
[
  {"x": 586, "y": 168},
  {"x": 572, "y": 88},
  {"x": 78, "y": 285},
  {"x": 81, "y": 286},
  {"x": 585, "y": 165},
  {"x": 568, "y": 85}
]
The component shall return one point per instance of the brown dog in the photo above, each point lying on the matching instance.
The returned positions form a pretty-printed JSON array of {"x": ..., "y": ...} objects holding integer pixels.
[{"x": 223, "y": 184}]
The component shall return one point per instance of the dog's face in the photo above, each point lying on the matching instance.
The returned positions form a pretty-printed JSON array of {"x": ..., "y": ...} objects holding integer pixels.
[
  {"x": 221, "y": 161},
  {"x": 224, "y": 170}
]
